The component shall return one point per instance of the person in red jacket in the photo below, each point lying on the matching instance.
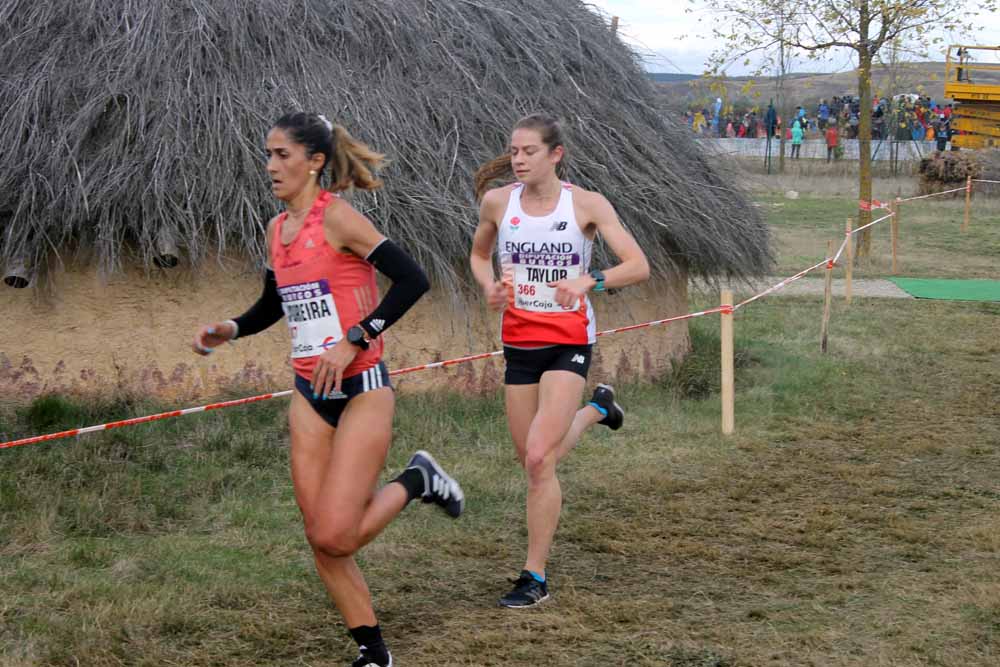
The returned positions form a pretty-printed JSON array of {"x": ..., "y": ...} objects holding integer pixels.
[{"x": 832, "y": 140}]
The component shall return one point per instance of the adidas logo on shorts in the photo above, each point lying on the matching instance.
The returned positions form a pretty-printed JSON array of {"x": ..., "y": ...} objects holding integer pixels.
[{"x": 577, "y": 359}]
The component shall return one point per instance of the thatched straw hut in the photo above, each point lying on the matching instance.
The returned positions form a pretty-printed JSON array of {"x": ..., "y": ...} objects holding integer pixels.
[{"x": 132, "y": 186}]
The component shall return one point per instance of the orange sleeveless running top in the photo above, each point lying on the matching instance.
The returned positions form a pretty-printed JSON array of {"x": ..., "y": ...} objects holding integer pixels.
[{"x": 323, "y": 292}]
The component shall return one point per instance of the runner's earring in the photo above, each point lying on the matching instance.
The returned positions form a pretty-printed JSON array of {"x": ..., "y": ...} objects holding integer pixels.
[{"x": 312, "y": 172}]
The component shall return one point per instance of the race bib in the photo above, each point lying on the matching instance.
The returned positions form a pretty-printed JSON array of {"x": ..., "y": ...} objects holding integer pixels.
[
  {"x": 532, "y": 274},
  {"x": 312, "y": 317}
]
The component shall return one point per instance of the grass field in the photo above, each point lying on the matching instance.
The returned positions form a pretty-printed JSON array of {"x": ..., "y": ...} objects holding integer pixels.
[
  {"x": 852, "y": 519},
  {"x": 931, "y": 244}
]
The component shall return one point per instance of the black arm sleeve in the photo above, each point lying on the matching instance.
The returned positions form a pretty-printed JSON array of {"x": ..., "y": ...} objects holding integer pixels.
[
  {"x": 265, "y": 312},
  {"x": 409, "y": 282}
]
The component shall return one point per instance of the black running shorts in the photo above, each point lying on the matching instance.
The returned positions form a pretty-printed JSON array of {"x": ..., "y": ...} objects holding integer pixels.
[
  {"x": 330, "y": 409},
  {"x": 527, "y": 366}
]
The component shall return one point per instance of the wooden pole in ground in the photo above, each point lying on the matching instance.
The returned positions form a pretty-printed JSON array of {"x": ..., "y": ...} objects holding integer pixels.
[
  {"x": 894, "y": 227},
  {"x": 898, "y": 219},
  {"x": 849, "y": 262},
  {"x": 614, "y": 25},
  {"x": 827, "y": 296},
  {"x": 968, "y": 203},
  {"x": 728, "y": 366}
]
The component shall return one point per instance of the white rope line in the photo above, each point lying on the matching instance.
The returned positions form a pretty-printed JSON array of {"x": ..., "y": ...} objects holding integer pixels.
[
  {"x": 935, "y": 194},
  {"x": 843, "y": 246},
  {"x": 782, "y": 284},
  {"x": 724, "y": 309},
  {"x": 873, "y": 222}
]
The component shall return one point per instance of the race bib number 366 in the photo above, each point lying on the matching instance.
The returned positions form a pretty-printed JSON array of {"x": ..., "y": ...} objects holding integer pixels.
[
  {"x": 312, "y": 317},
  {"x": 532, "y": 274}
]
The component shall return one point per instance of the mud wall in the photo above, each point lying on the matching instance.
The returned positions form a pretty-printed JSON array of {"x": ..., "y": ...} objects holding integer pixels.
[{"x": 89, "y": 336}]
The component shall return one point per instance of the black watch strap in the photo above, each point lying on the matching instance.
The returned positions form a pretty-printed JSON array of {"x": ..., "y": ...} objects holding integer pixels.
[{"x": 358, "y": 336}]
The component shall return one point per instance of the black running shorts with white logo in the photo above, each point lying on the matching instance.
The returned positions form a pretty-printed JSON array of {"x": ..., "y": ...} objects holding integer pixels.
[
  {"x": 330, "y": 409},
  {"x": 526, "y": 366}
]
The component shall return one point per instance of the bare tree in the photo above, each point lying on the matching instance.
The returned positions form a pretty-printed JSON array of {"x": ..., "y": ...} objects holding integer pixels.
[{"x": 862, "y": 26}]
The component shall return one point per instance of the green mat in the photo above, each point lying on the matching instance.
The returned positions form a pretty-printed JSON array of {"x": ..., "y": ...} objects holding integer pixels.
[{"x": 951, "y": 290}]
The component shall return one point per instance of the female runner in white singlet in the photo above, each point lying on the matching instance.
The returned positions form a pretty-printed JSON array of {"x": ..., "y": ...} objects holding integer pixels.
[{"x": 543, "y": 230}]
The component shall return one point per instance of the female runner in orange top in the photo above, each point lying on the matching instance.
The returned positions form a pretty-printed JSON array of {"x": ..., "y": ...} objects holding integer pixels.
[{"x": 323, "y": 256}]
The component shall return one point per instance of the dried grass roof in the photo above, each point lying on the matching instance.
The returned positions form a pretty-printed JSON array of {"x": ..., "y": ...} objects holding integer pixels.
[{"x": 123, "y": 119}]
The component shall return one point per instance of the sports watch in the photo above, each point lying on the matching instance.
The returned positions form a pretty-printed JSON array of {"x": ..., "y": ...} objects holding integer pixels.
[
  {"x": 358, "y": 336},
  {"x": 598, "y": 277}
]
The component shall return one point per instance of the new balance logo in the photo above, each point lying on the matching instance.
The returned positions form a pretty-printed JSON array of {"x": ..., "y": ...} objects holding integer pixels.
[
  {"x": 559, "y": 226},
  {"x": 377, "y": 325},
  {"x": 578, "y": 359},
  {"x": 309, "y": 243}
]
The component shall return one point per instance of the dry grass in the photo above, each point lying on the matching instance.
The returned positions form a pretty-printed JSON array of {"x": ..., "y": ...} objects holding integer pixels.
[
  {"x": 822, "y": 180},
  {"x": 851, "y": 521}
]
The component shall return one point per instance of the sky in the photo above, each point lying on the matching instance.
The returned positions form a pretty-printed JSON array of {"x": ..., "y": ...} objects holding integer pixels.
[{"x": 674, "y": 40}]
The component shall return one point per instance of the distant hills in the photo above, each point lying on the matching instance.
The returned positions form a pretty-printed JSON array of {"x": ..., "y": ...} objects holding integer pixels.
[{"x": 670, "y": 77}]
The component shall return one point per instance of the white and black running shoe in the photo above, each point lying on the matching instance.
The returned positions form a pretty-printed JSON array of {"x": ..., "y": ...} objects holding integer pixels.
[
  {"x": 604, "y": 396},
  {"x": 366, "y": 659},
  {"x": 527, "y": 592},
  {"x": 439, "y": 487}
]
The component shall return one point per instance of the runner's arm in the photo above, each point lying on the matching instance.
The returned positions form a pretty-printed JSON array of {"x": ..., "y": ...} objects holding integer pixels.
[
  {"x": 356, "y": 233},
  {"x": 267, "y": 310},
  {"x": 633, "y": 268},
  {"x": 481, "y": 258},
  {"x": 262, "y": 314},
  {"x": 409, "y": 283}
]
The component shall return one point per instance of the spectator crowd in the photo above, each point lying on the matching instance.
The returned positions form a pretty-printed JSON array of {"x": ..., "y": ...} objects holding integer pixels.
[{"x": 903, "y": 117}]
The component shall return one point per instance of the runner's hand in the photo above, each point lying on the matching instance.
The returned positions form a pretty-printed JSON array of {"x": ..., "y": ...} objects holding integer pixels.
[
  {"x": 496, "y": 295},
  {"x": 211, "y": 336},
  {"x": 569, "y": 292},
  {"x": 330, "y": 366}
]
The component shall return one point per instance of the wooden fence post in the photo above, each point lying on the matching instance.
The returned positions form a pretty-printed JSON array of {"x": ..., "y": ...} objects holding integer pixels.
[
  {"x": 849, "y": 264},
  {"x": 728, "y": 365},
  {"x": 894, "y": 226},
  {"x": 614, "y": 25},
  {"x": 827, "y": 297},
  {"x": 968, "y": 203}
]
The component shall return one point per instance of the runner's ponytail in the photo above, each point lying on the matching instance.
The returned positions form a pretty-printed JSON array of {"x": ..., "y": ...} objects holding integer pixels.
[
  {"x": 497, "y": 169},
  {"x": 352, "y": 163},
  {"x": 500, "y": 169}
]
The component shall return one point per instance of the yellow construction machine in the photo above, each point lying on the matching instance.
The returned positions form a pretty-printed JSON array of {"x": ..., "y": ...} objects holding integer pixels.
[{"x": 972, "y": 82}]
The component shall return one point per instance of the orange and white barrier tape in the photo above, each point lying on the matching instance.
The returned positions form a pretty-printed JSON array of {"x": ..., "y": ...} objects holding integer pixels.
[
  {"x": 264, "y": 397},
  {"x": 142, "y": 420},
  {"x": 843, "y": 246},
  {"x": 933, "y": 194},
  {"x": 782, "y": 284},
  {"x": 873, "y": 222},
  {"x": 727, "y": 309}
]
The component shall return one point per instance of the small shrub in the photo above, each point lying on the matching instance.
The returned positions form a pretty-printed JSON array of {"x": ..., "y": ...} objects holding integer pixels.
[{"x": 698, "y": 376}]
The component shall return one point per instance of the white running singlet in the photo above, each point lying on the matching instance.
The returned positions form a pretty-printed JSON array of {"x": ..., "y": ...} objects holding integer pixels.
[{"x": 535, "y": 251}]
